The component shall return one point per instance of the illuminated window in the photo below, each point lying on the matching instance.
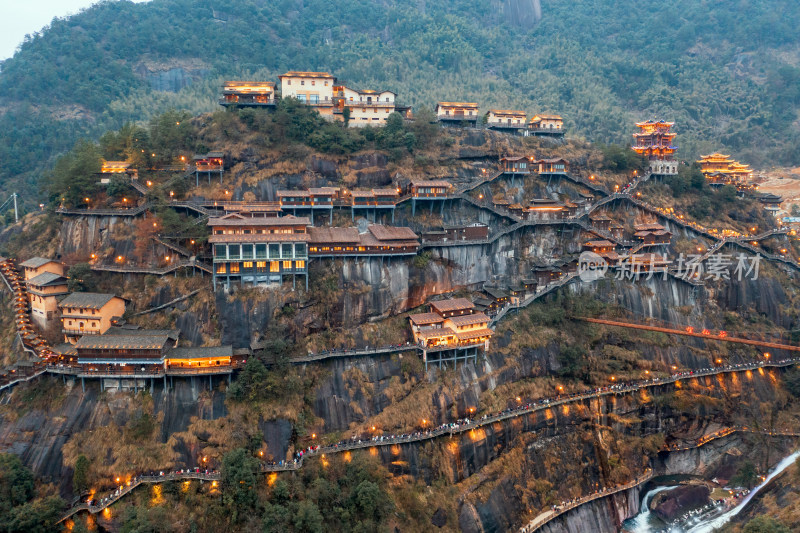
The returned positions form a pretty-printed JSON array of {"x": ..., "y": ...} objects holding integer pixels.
[
  {"x": 287, "y": 265},
  {"x": 261, "y": 266},
  {"x": 221, "y": 268},
  {"x": 299, "y": 265},
  {"x": 248, "y": 265},
  {"x": 234, "y": 268},
  {"x": 274, "y": 266}
]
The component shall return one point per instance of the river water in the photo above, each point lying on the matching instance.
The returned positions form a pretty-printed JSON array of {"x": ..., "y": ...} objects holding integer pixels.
[{"x": 644, "y": 522}]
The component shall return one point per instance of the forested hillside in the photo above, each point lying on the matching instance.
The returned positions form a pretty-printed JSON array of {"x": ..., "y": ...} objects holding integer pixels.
[{"x": 727, "y": 72}]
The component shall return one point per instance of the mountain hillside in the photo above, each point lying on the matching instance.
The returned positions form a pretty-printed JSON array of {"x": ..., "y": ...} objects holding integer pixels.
[{"x": 727, "y": 73}]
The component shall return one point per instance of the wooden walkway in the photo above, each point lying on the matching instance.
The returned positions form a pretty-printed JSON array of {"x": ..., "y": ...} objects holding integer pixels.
[{"x": 543, "y": 404}]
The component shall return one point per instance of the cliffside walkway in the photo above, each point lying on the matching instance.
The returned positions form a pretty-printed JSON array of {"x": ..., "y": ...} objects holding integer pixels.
[
  {"x": 689, "y": 332},
  {"x": 559, "y": 510},
  {"x": 110, "y": 212},
  {"x": 552, "y": 514},
  {"x": 550, "y": 287},
  {"x": 172, "y": 267},
  {"x": 467, "y": 425}
]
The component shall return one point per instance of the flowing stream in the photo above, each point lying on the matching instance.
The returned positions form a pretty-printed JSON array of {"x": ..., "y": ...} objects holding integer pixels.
[
  {"x": 641, "y": 523},
  {"x": 714, "y": 523}
]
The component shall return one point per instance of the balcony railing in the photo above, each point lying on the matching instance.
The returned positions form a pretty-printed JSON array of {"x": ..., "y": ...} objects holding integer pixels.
[{"x": 67, "y": 331}]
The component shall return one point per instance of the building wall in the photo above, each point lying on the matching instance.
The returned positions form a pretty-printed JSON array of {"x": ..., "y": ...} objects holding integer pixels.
[
  {"x": 504, "y": 120},
  {"x": 307, "y": 88},
  {"x": 95, "y": 323},
  {"x": 53, "y": 267},
  {"x": 369, "y": 116}
]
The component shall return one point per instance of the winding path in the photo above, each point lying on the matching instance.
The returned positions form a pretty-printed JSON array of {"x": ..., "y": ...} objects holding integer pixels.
[{"x": 464, "y": 426}]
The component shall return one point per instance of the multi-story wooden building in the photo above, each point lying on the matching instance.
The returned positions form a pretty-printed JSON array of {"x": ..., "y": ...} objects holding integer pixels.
[
  {"x": 44, "y": 291},
  {"x": 39, "y": 265},
  {"x": 456, "y": 113},
  {"x": 654, "y": 140},
  {"x": 719, "y": 169},
  {"x": 546, "y": 125},
  {"x": 89, "y": 313},
  {"x": 120, "y": 349},
  {"x": 248, "y": 94},
  {"x": 208, "y": 163},
  {"x": 452, "y": 331},
  {"x": 506, "y": 120},
  {"x": 378, "y": 240},
  {"x": 652, "y": 234},
  {"x": 117, "y": 168},
  {"x": 259, "y": 250},
  {"x": 311, "y": 88}
]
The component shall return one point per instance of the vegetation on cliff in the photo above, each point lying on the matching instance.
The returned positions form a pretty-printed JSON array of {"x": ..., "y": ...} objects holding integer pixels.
[{"x": 601, "y": 66}]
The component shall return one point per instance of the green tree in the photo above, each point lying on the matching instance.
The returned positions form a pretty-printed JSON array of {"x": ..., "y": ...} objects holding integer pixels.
[
  {"x": 73, "y": 179},
  {"x": 746, "y": 476},
  {"x": 372, "y": 503},
  {"x": 765, "y": 524},
  {"x": 239, "y": 481},
  {"x": 80, "y": 474},
  {"x": 81, "y": 278},
  {"x": 16, "y": 483},
  {"x": 307, "y": 517}
]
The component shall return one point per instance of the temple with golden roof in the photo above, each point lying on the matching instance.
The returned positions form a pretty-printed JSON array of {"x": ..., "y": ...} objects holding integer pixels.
[
  {"x": 654, "y": 141},
  {"x": 720, "y": 169}
]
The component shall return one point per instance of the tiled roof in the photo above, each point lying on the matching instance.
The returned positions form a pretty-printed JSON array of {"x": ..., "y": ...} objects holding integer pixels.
[
  {"x": 436, "y": 332},
  {"x": 474, "y": 334},
  {"x": 234, "y": 84},
  {"x": 515, "y": 158},
  {"x": 47, "y": 278},
  {"x": 431, "y": 183},
  {"x": 506, "y": 112},
  {"x": 292, "y": 194},
  {"x": 392, "y": 233},
  {"x": 362, "y": 194},
  {"x": 200, "y": 352},
  {"x": 260, "y": 237},
  {"x": 305, "y": 74},
  {"x": 466, "y": 320},
  {"x": 133, "y": 331},
  {"x": 385, "y": 192},
  {"x": 87, "y": 300},
  {"x": 323, "y": 190},
  {"x": 122, "y": 342},
  {"x": 235, "y": 219},
  {"x": 333, "y": 235},
  {"x": 458, "y": 104},
  {"x": 599, "y": 243},
  {"x": 454, "y": 304},
  {"x": 546, "y": 117},
  {"x": 495, "y": 292},
  {"x": 424, "y": 319},
  {"x": 36, "y": 262}
]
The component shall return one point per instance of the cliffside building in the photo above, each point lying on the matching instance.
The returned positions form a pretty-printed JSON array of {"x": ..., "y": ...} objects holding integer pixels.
[
  {"x": 506, "y": 120},
  {"x": 89, "y": 313},
  {"x": 378, "y": 240},
  {"x": 311, "y": 88},
  {"x": 209, "y": 163},
  {"x": 367, "y": 107},
  {"x": 258, "y": 250},
  {"x": 550, "y": 125},
  {"x": 719, "y": 169},
  {"x": 654, "y": 140},
  {"x": 457, "y": 113},
  {"x": 44, "y": 292},
  {"x": 248, "y": 94},
  {"x": 451, "y": 332},
  {"x": 39, "y": 265}
]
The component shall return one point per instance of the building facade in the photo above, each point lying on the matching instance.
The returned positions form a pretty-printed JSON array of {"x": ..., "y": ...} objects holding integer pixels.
[
  {"x": 248, "y": 94},
  {"x": 654, "y": 141},
  {"x": 258, "y": 250},
  {"x": 89, "y": 313},
  {"x": 457, "y": 112},
  {"x": 505, "y": 119},
  {"x": 39, "y": 265},
  {"x": 44, "y": 292},
  {"x": 311, "y": 88}
]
